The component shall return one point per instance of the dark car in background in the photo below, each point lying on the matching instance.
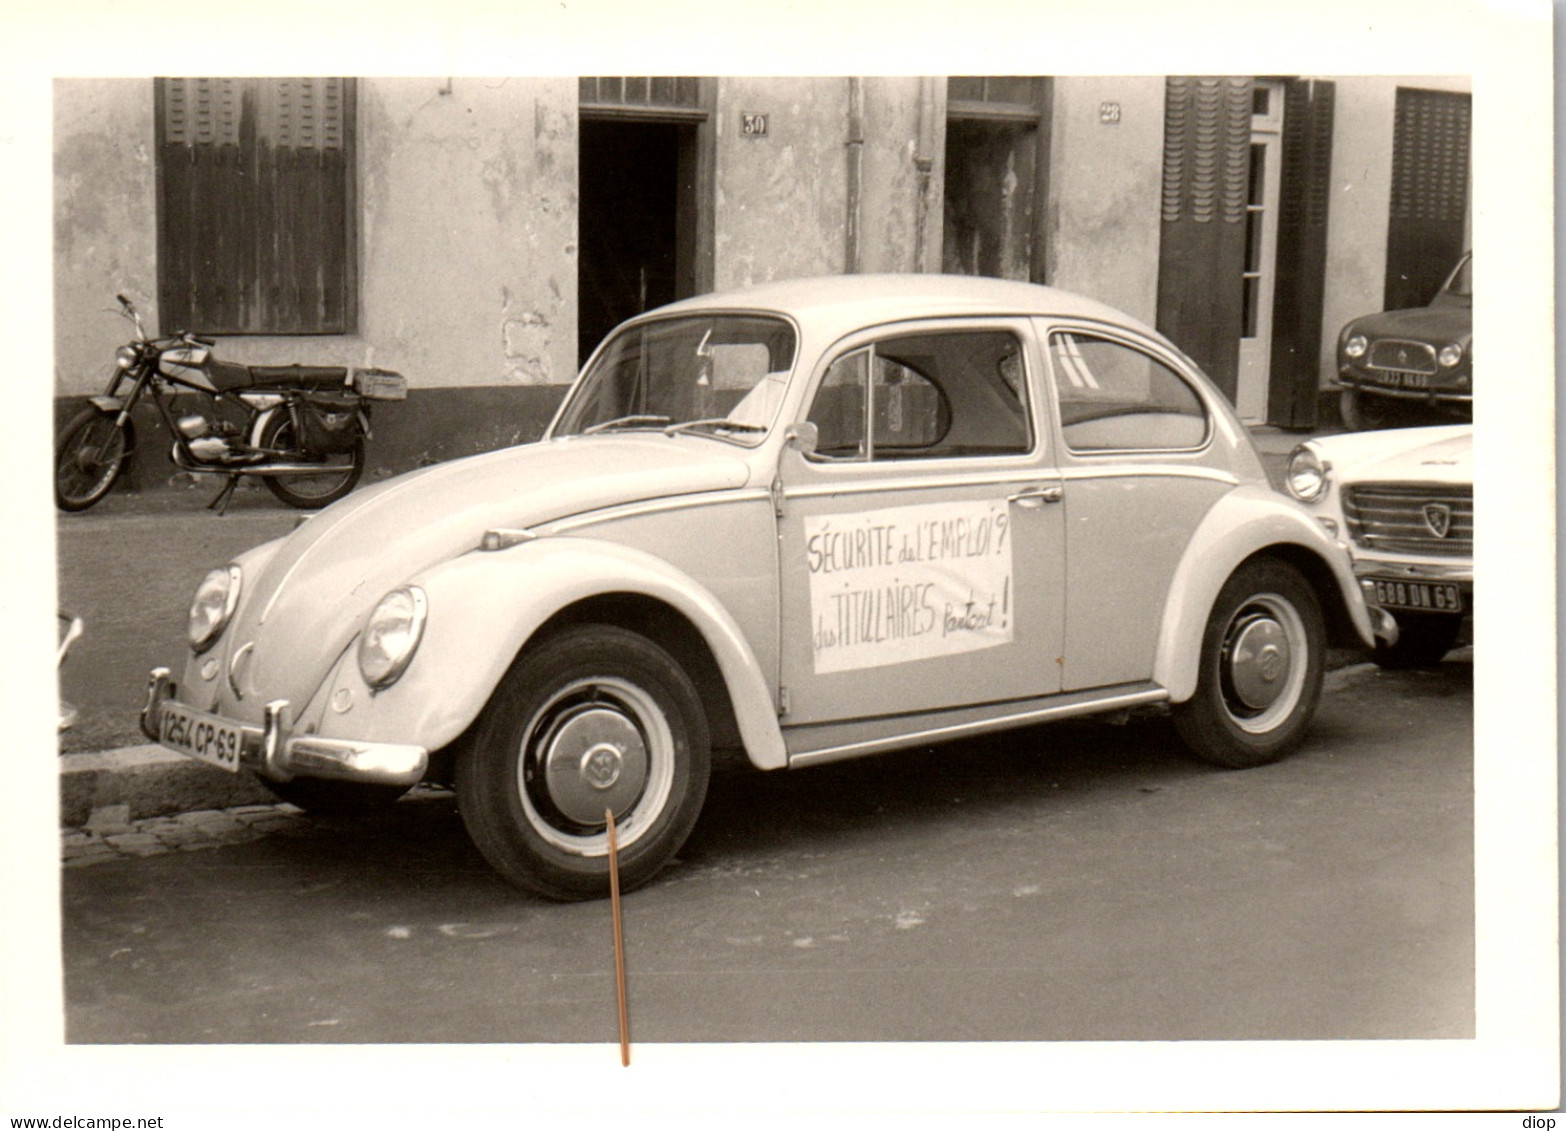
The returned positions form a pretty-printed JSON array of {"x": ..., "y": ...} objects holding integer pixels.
[{"x": 1411, "y": 366}]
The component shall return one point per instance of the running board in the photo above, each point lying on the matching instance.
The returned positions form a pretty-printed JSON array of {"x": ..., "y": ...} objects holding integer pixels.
[{"x": 818, "y": 743}]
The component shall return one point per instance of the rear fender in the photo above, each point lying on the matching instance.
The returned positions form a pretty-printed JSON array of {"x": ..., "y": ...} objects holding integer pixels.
[
  {"x": 483, "y": 609},
  {"x": 1247, "y": 521}
]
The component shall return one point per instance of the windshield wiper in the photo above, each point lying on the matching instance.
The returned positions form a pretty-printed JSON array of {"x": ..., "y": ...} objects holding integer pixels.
[
  {"x": 639, "y": 421},
  {"x": 720, "y": 422}
]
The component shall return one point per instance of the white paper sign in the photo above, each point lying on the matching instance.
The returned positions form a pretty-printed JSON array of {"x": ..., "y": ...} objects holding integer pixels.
[{"x": 908, "y": 583}]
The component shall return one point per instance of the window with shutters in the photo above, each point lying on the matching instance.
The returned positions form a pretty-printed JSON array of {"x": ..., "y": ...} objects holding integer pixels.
[{"x": 256, "y": 205}]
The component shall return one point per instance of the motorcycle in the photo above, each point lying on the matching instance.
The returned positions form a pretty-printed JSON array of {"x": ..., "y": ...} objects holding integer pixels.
[{"x": 300, "y": 428}]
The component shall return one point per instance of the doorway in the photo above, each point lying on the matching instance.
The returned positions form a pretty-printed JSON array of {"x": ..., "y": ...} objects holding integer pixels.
[
  {"x": 636, "y": 220},
  {"x": 1261, "y": 250}
]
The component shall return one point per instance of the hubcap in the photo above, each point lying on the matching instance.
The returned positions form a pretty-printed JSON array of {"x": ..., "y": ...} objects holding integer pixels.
[
  {"x": 595, "y": 745},
  {"x": 1259, "y": 662},
  {"x": 595, "y": 759},
  {"x": 1263, "y": 664}
]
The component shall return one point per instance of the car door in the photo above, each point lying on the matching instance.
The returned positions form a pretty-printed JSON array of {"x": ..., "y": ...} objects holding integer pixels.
[
  {"x": 1136, "y": 457},
  {"x": 921, "y": 541}
]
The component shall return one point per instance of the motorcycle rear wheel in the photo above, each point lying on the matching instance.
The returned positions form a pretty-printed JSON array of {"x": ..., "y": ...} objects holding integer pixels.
[
  {"x": 339, "y": 474},
  {"x": 89, "y": 455}
]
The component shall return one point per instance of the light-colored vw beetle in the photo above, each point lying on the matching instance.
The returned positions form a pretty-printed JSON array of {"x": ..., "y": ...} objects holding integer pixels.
[{"x": 808, "y": 521}]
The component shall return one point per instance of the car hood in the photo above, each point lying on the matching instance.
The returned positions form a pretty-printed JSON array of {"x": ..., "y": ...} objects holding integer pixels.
[
  {"x": 1442, "y": 454},
  {"x": 1436, "y": 324},
  {"x": 312, "y": 595}
]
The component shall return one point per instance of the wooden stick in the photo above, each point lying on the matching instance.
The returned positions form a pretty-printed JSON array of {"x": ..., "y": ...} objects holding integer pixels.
[{"x": 619, "y": 942}]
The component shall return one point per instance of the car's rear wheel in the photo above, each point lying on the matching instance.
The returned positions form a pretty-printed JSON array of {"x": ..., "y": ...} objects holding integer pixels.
[
  {"x": 1261, "y": 668},
  {"x": 1422, "y": 641},
  {"x": 596, "y": 719}
]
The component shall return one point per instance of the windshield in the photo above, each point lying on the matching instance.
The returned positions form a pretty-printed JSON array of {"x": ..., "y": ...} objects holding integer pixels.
[
  {"x": 1460, "y": 284},
  {"x": 720, "y": 375}
]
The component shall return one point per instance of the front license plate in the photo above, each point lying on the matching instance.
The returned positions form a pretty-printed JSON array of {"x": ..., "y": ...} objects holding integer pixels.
[
  {"x": 1419, "y": 596},
  {"x": 213, "y": 740}
]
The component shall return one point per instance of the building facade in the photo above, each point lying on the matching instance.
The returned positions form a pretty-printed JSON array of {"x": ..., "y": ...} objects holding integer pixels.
[{"x": 481, "y": 235}]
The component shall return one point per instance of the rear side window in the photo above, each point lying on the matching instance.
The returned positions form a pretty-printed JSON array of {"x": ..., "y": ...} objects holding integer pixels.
[
  {"x": 1114, "y": 397},
  {"x": 946, "y": 394}
]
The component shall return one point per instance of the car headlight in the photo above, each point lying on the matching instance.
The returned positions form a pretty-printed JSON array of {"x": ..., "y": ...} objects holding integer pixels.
[
  {"x": 1355, "y": 345},
  {"x": 212, "y": 607},
  {"x": 1450, "y": 355},
  {"x": 391, "y": 636},
  {"x": 1307, "y": 474}
]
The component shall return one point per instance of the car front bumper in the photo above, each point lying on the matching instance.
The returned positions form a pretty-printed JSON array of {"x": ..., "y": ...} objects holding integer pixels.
[
  {"x": 274, "y": 751},
  {"x": 1353, "y": 379}
]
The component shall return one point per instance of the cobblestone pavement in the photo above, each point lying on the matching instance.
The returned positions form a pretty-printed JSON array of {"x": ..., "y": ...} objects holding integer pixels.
[{"x": 110, "y": 834}]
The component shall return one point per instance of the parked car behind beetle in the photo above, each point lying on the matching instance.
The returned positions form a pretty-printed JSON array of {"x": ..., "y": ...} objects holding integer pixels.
[
  {"x": 1404, "y": 501},
  {"x": 1401, "y": 362},
  {"x": 811, "y": 521}
]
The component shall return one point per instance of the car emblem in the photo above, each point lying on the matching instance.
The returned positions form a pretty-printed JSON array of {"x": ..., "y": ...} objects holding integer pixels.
[{"x": 1438, "y": 518}]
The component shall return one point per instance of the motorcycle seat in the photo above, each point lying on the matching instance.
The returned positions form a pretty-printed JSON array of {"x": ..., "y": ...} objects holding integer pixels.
[{"x": 233, "y": 375}]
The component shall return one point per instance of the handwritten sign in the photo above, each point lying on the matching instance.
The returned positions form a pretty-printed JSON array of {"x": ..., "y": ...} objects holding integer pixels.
[{"x": 908, "y": 583}]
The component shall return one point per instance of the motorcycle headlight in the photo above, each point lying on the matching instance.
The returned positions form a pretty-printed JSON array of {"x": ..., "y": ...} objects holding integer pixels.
[
  {"x": 125, "y": 357},
  {"x": 1450, "y": 355},
  {"x": 1355, "y": 345},
  {"x": 392, "y": 635},
  {"x": 213, "y": 605},
  {"x": 1307, "y": 474}
]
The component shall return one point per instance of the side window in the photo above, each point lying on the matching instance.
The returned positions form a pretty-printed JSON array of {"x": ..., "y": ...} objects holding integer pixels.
[
  {"x": 1117, "y": 398},
  {"x": 924, "y": 396}
]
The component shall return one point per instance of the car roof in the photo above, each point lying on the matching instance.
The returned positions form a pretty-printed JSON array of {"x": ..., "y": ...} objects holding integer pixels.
[{"x": 837, "y": 304}]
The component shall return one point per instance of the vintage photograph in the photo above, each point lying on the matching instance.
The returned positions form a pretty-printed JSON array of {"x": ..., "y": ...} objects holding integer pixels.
[{"x": 585, "y": 573}]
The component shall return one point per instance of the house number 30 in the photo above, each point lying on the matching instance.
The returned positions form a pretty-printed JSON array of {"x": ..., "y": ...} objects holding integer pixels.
[
  {"x": 753, "y": 125},
  {"x": 1109, "y": 113}
]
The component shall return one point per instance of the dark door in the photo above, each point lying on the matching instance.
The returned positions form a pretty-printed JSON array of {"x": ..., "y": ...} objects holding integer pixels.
[
  {"x": 1429, "y": 206},
  {"x": 629, "y": 224}
]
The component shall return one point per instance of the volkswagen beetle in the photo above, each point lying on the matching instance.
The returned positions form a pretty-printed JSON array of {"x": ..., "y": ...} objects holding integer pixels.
[
  {"x": 1404, "y": 501},
  {"x": 809, "y": 521}
]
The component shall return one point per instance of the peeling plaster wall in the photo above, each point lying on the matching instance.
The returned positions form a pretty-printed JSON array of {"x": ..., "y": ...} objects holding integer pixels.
[
  {"x": 780, "y": 199},
  {"x": 105, "y": 223},
  {"x": 1104, "y": 191},
  {"x": 888, "y": 238},
  {"x": 468, "y": 229}
]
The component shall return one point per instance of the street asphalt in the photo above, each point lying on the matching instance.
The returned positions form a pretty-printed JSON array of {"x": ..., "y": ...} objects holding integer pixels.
[{"x": 133, "y": 797}]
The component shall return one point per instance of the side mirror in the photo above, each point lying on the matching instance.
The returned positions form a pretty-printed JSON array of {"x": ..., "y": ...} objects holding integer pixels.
[{"x": 802, "y": 437}]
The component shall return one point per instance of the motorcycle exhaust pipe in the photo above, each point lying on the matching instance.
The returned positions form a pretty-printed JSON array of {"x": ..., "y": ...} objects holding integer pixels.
[{"x": 250, "y": 468}]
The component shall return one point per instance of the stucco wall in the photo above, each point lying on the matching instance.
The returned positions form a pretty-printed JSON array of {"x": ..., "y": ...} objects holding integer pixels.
[
  {"x": 105, "y": 223},
  {"x": 780, "y": 199},
  {"x": 1104, "y": 191}
]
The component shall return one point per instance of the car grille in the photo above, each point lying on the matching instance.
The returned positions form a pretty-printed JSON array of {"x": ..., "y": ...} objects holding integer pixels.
[
  {"x": 1405, "y": 357},
  {"x": 1393, "y": 516}
]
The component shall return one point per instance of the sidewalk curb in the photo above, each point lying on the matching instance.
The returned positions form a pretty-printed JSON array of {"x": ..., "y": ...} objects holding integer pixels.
[{"x": 151, "y": 782}]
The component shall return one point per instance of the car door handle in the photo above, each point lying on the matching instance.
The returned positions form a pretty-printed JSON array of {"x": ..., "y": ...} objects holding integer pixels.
[{"x": 1038, "y": 496}]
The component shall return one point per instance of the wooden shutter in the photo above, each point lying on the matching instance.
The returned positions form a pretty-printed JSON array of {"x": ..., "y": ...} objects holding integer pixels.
[
  {"x": 1299, "y": 293},
  {"x": 1429, "y": 204},
  {"x": 1207, "y": 153},
  {"x": 255, "y": 205}
]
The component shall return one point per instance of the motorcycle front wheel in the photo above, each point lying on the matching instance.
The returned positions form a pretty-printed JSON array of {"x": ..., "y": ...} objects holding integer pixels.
[
  {"x": 89, "y": 455},
  {"x": 308, "y": 490}
]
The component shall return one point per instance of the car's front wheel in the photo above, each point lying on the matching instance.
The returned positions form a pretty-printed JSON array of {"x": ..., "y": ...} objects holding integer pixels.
[
  {"x": 1366, "y": 412},
  {"x": 595, "y": 719},
  {"x": 1261, "y": 668}
]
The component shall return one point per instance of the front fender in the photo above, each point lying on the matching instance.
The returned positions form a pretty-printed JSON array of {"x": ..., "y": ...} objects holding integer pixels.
[
  {"x": 1244, "y": 522},
  {"x": 484, "y": 606}
]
